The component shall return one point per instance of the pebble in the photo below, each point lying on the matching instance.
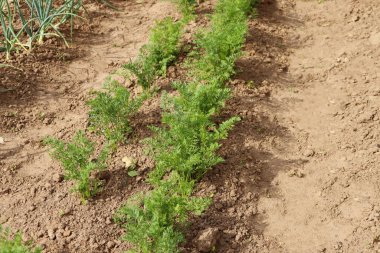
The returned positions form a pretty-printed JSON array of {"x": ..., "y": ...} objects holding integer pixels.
[
  {"x": 57, "y": 177},
  {"x": 309, "y": 153},
  {"x": 373, "y": 150},
  {"x": 375, "y": 39},
  {"x": 129, "y": 162},
  {"x": 4, "y": 219},
  {"x": 108, "y": 221},
  {"x": 47, "y": 121},
  {"x": 110, "y": 245},
  {"x": 40, "y": 234},
  {"x": 267, "y": 60},
  {"x": 51, "y": 234},
  {"x": 32, "y": 208},
  {"x": 66, "y": 233},
  {"x": 296, "y": 172},
  {"x": 207, "y": 239}
]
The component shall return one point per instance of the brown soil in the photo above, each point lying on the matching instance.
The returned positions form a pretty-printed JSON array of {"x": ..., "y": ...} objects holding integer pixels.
[
  {"x": 301, "y": 171},
  {"x": 302, "y": 168}
]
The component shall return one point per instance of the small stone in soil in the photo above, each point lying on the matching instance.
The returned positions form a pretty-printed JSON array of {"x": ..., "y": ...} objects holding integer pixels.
[
  {"x": 309, "y": 153},
  {"x": 296, "y": 172},
  {"x": 57, "y": 177},
  {"x": 32, "y": 208},
  {"x": 51, "y": 234},
  {"x": 108, "y": 221},
  {"x": 40, "y": 234},
  {"x": 129, "y": 162},
  {"x": 356, "y": 18},
  {"x": 207, "y": 239},
  {"x": 300, "y": 174},
  {"x": 66, "y": 233},
  {"x": 110, "y": 245},
  {"x": 47, "y": 121}
]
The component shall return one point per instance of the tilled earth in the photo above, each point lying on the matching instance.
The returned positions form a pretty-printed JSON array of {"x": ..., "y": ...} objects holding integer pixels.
[{"x": 302, "y": 167}]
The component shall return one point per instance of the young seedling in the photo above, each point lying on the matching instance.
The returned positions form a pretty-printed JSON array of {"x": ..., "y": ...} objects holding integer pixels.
[{"x": 77, "y": 159}]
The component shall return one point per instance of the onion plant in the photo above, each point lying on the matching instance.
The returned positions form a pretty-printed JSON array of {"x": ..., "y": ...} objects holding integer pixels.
[
  {"x": 45, "y": 16},
  {"x": 40, "y": 19},
  {"x": 10, "y": 37}
]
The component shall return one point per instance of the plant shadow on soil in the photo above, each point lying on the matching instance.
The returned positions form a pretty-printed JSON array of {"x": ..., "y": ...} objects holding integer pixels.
[{"x": 251, "y": 164}]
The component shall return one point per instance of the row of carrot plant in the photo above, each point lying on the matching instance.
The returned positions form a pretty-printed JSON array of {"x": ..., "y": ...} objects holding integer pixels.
[{"x": 185, "y": 148}]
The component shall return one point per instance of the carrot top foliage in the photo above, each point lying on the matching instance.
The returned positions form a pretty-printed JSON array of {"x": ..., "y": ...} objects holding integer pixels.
[
  {"x": 186, "y": 7},
  {"x": 111, "y": 109},
  {"x": 15, "y": 244},
  {"x": 158, "y": 54},
  {"x": 189, "y": 139},
  {"x": 152, "y": 220},
  {"x": 78, "y": 161}
]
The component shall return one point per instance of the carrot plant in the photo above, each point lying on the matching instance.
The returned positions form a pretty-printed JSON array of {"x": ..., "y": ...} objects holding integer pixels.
[
  {"x": 189, "y": 139},
  {"x": 186, "y": 7},
  {"x": 78, "y": 160},
  {"x": 220, "y": 46},
  {"x": 153, "y": 220},
  {"x": 158, "y": 54},
  {"x": 111, "y": 109},
  {"x": 15, "y": 244}
]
